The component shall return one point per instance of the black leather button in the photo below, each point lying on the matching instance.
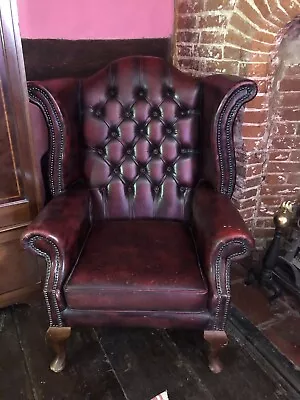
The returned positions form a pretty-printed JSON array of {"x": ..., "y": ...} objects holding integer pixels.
[
  {"x": 169, "y": 169},
  {"x": 169, "y": 129},
  {"x": 112, "y": 92},
  {"x": 98, "y": 111},
  {"x": 129, "y": 151},
  {"x": 155, "y": 151},
  {"x": 141, "y": 93},
  {"x": 156, "y": 189},
  {"x": 141, "y": 129},
  {"x": 155, "y": 112},
  {"x": 142, "y": 170},
  {"x": 127, "y": 113},
  {"x": 101, "y": 152},
  {"x": 168, "y": 92},
  {"x": 116, "y": 170},
  {"x": 114, "y": 132},
  {"x": 129, "y": 188},
  {"x": 182, "y": 189},
  {"x": 183, "y": 151},
  {"x": 182, "y": 112}
]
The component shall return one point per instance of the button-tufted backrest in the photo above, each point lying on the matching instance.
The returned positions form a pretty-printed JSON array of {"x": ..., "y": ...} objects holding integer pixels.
[{"x": 141, "y": 132}]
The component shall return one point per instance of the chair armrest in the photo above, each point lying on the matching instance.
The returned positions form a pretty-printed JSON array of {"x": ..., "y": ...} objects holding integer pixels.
[
  {"x": 58, "y": 234},
  {"x": 222, "y": 98},
  {"x": 221, "y": 237}
]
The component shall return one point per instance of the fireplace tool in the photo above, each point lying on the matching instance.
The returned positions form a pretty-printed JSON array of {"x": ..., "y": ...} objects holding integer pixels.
[{"x": 281, "y": 262}]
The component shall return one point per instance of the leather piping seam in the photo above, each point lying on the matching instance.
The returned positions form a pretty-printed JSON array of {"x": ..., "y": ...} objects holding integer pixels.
[
  {"x": 47, "y": 290},
  {"x": 250, "y": 93},
  {"x": 219, "y": 325},
  {"x": 43, "y": 106}
]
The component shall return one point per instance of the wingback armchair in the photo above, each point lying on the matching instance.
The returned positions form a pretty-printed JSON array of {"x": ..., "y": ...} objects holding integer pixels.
[{"x": 137, "y": 167}]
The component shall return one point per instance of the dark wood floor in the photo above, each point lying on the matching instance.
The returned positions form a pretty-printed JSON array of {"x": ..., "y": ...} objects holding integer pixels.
[{"x": 118, "y": 364}]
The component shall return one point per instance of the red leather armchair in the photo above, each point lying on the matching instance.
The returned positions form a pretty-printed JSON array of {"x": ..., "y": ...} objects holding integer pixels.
[{"x": 138, "y": 229}]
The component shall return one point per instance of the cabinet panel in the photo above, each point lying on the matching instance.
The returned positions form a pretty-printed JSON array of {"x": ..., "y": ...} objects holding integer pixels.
[
  {"x": 19, "y": 203},
  {"x": 18, "y": 267}
]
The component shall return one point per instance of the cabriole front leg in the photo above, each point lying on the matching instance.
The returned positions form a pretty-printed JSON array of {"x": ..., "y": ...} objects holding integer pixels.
[
  {"x": 56, "y": 337},
  {"x": 216, "y": 340}
]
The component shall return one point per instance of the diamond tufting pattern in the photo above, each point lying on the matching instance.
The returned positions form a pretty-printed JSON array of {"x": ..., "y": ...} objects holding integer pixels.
[{"x": 141, "y": 133}]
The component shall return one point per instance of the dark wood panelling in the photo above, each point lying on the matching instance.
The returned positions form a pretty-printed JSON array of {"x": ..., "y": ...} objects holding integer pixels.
[{"x": 53, "y": 58}]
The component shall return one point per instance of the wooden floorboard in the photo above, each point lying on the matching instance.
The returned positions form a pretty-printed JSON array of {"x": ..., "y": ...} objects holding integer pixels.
[
  {"x": 146, "y": 366},
  {"x": 87, "y": 375},
  {"x": 14, "y": 379},
  {"x": 241, "y": 378},
  {"x": 124, "y": 364}
]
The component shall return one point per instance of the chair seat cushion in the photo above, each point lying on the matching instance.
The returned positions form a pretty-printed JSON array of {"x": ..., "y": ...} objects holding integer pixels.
[{"x": 138, "y": 265}]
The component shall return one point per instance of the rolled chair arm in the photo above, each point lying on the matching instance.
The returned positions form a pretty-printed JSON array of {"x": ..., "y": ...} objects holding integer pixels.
[
  {"x": 58, "y": 235},
  {"x": 221, "y": 237}
]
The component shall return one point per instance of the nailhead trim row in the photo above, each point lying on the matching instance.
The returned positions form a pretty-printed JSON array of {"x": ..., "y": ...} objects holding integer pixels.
[
  {"x": 41, "y": 98},
  {"x": 229, "y": 151},
  {"x": 219, "y": 321},
  {"x": 49, "y": 293}
]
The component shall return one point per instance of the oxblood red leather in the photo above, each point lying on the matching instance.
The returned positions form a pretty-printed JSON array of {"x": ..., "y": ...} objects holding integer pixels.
[
  {"x": 139, "y": 228},
  {"x": 156, "y": 272}
]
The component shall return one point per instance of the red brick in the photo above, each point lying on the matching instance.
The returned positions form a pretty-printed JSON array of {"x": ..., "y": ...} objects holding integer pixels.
[
  {"x": 255, "y": 158},
  {"x": 274, "y": 179},
  {"x": 222, "y": 66},
  {"x": 233, "y": 37},
  {"x": 289, "y": 84},
  {"x": 262, "y": 85},
  {"x": 255, "y": 117},
  {"x": 267, "y": 211},
  {"x": 208, "y": 52},
  {"x": 286, "y": 128},
  {"x": 295, "y": 155},
  {"x": 251, "y": 144},
  {"x": 232, "y": 53},
  {"x": 280, "y": 190},
  {"x": 250, "y": 193},
  {"x": 247, "y": 203},
  {"x": 292, "y": 70},
  {"x": 214, "y": 5},
  {"x": 287, "y": 142},
  {"x": 242, "y": 25},
  {"x": 189, "y": 64},
  {"x": 294, "y": 178},
  {"x": 252, "y": 70},
  {"x": 185, "y": 50},
  {"x": 212, "y": 37},
  {"x": 189, "y": 6},
  {"x": 289, "y": 114},
  {"x": 186, "y": 22},
  {"x": 260, "y": 101},
  {"x": 263, "y": 23},
  {"x": 292, "y": 8},
  {"x": 253, "y": 131},
  {"x": 279, "y": 155},
  {"x": 278, "y": 13},
  {"x": 283, "y": 166},
  {"x": 252, "y": 182},
  {"x": 212, "y": 21},
  {"x": 254, "y": 56},
  {"x": 187, "y": 37},
  {"x": 270, "y": 200},
  {"x": 290, "y": 99},
  {"x": 247, "y": 214}
]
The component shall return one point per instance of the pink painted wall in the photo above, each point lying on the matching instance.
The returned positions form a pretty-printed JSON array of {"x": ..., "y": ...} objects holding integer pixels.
[{"x": 95, "y": 19}]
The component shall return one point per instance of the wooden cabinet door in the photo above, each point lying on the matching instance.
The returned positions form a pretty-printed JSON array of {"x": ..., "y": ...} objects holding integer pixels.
[{"x": 18, "y": 195}]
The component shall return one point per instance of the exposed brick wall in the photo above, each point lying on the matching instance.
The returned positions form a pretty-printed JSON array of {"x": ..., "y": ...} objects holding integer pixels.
[{"x": 244, "y": 37}]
